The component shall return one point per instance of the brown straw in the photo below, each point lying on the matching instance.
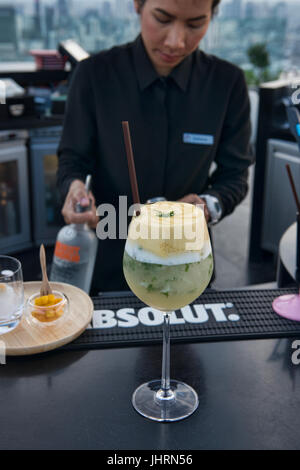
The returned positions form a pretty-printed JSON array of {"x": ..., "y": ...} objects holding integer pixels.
[
  {"x": 131, "y": 166},
  {"x": 293, "y": 186}
]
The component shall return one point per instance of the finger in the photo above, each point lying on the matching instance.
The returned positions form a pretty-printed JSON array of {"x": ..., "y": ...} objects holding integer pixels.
[
  {"x": 196, "y": 199},
  {"x": 206, "y": 212},
  {"x": 80, "y": 196},
  {"x": 71, "y": 216},
  {"x": 66, "y": 218},
  {"x": 65, "y": 212},
  {"x": 203, "y": 205},
  {"x": 94, "y": 223},
  {"x": 193, "y": 199}
]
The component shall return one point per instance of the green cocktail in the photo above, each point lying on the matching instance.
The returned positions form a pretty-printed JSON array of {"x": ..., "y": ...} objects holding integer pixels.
[
  {"x": 167, "y": 263},
  {"x": 167, "y": 287}
]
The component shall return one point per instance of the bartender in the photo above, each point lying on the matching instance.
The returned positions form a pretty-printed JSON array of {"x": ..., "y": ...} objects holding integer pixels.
[{"x": 186, "y": 110}]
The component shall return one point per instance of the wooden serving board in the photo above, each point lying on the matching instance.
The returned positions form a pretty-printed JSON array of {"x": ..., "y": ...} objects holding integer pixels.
[{"x": 33, "y": 339}]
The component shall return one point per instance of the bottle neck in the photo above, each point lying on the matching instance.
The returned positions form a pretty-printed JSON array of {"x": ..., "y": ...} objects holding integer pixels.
[{"x": 80, "y": 226}]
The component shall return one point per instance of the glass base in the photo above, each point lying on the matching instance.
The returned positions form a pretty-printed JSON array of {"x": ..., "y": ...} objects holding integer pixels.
[
  {"x": 9, "y": 326},
  {"x": 287, "y": 306},
  {"x": 149, "y": 402}
]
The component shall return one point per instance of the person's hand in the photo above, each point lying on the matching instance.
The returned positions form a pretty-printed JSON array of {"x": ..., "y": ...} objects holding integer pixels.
[
  {"x": 195, "y": 199},
  {"x": 77, "y": 194}
]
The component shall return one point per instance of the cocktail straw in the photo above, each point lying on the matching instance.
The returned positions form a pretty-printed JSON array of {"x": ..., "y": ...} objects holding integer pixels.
[
  {"x": 131, "y": 166},
  {"x": 293, "y": 186}
]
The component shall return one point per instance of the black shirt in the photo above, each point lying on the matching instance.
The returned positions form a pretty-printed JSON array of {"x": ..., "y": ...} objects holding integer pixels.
[{"x": 179, "y": 125}]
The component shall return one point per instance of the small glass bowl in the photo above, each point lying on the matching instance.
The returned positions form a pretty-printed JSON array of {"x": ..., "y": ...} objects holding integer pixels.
[{"x": 47, "y": 315}]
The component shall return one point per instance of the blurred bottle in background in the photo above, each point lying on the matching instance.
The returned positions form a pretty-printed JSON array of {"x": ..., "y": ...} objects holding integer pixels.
[{"x": 75, "y": 252}]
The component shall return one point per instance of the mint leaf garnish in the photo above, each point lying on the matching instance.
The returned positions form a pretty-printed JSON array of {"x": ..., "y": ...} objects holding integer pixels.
[{"x": 168, "y": 214}]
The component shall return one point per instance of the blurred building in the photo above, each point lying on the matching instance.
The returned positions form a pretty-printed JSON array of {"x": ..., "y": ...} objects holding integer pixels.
[
  {"x": 100, "y": 24},
  {"x": 49, "y": 26},
  {"x": 121, "y": 8},
  {"x": 249, "y": 11},
  {"x": 281, "y": 10},
  {"x": 10, "y": 31},
  {"x": 106, "y": 9},
  {"x": 37, "y": 18},
  {"x": 233, "y": 9},
  {"x": 64, "y": 12}
]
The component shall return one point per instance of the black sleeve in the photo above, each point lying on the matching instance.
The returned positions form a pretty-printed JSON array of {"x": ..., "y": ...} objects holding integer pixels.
[
  {"x": 76, "y": 152},
  {"x": 229, "y": 182}
]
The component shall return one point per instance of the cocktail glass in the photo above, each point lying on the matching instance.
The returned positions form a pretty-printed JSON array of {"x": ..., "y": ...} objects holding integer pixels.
[
  {"x": 11, "y": 293},
  {"x": 167, "y": 264},
  {"x": 288, "y": 306}
]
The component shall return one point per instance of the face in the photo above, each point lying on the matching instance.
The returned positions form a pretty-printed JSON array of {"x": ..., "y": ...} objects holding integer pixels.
[{"x": 172, "y": 29}]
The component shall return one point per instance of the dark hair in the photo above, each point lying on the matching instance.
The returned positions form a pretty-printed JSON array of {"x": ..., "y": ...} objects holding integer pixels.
[{"x": 215, "y": 5}]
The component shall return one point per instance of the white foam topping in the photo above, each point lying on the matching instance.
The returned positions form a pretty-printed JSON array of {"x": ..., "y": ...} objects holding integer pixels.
[{"x": 144, "y": 256}]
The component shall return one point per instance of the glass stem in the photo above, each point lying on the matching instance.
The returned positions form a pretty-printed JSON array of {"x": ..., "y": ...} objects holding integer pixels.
[{"x": 166, "y": 393}]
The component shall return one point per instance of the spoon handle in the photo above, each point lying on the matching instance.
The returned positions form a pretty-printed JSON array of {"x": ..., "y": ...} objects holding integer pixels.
[{"x": 45, "y": 287}]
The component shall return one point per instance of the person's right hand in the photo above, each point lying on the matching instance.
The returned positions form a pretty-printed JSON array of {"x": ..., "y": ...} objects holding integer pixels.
[{"x": 77, "y": 193}]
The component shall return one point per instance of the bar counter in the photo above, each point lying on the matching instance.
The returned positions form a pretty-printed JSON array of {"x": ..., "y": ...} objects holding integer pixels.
[{"x": 69, "y": 399}]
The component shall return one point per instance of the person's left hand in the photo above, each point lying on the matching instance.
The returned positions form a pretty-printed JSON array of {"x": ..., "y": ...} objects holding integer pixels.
[{"x": 195, "y": 199}]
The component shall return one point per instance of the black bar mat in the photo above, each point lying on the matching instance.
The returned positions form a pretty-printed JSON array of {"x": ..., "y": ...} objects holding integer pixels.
[{"x": 123, "y": 320}]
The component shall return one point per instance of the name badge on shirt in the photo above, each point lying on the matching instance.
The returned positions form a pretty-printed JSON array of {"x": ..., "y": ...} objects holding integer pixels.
[{"x": 200, "y": 139}]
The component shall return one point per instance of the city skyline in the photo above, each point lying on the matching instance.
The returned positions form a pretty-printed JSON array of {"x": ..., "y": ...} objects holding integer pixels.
[
  {"x": 100, "y": 24},
  {"x": 97, "y": 3},
  {"x": 125, "y": 7}
]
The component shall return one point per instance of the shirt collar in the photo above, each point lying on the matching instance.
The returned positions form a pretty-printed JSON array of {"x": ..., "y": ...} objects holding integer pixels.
[{"x": 146, "y": 74}]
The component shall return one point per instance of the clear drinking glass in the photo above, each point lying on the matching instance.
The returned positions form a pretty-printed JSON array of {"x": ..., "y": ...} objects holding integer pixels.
[
  {"x": 44, "y": 316},
  {"x": 167, "y": 263},
  {"x": 11, "y": 293}
]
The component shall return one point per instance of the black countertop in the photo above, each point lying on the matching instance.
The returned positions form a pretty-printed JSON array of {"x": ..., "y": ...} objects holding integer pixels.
[
  {"x": 31, "y": 123},
  {"x": 248, "y": 391}
]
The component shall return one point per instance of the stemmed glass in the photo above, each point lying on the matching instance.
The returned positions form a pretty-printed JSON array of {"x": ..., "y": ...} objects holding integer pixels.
[
  {"x": 288, "y": 306},
  {"x": 11, "y": 293},
  {"x": 167, "y": 263}
]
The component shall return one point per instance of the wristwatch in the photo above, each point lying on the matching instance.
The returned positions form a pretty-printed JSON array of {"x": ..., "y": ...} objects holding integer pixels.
[
  {"x": 152, "y": 200},
  {"x": 213, "y": 206}
]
